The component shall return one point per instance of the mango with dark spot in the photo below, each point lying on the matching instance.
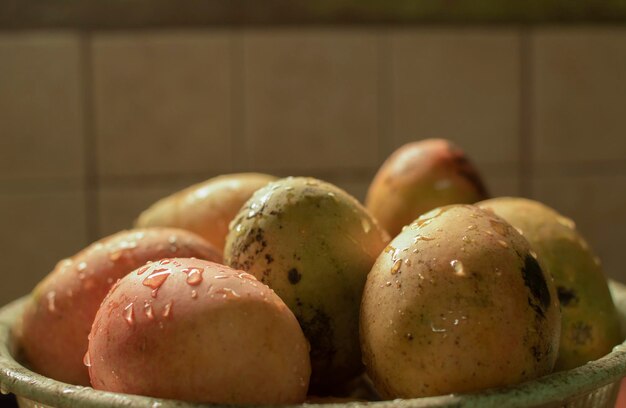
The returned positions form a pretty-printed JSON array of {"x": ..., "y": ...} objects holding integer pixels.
[
  {"x": 418, "y": 177},
  {"x": 457, "y": 303},
  {"x": 590, "y": 327},
  {"x": 314, "y": 245},
  {"x": 535, "y": 280}
]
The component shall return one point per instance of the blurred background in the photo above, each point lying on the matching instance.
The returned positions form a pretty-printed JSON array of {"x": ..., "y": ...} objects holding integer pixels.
[{"x": 107, "y": 106}]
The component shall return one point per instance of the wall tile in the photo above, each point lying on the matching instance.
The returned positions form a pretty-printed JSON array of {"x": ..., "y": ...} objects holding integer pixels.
[
  {"x": 579, "y": 94},
  {"x": 162, "y": 102},
  {"x": 39, "y": 229},
  {"x": 41, "y": 125},
  {"x": 310, "y": 98},
  {"x": 458, "y": 84},
  {"x": 596, "y": 203}
]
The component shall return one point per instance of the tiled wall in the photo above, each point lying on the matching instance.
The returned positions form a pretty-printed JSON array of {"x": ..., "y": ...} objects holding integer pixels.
[{"x": 96, "y": 126}]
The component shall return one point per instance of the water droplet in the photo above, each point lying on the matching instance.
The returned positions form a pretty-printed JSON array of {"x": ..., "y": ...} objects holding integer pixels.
[
  {"x": 147, "y": 310},
  {"x": 566, "y": 222},
  {"x": 129, "y": 314},
  {"x": 437, "y": 330},
  {"x": 227, "y": 293},
  {"x": 422, "y": 238},
  {"x": 396, "y": 266},
  {"x": 471, "y": 227},
  {"x": 194, "y": 275},
  {"x": 115, "y": 255},
  {"x": 388, "y": 283},
  {"x": 221, "y": 277},
  {"x": 128, "y": 244},
  {"x": 82, "y": 266},
  {"x": 247, "y": 276},
  {"x": 311, "y": 183},
  {"x": 157, "y": 277},
  {"x": 194, "y": 294},
  {"x": 458, "y": 267},
  {"x": 498, "y": 227},
  {"x": 87, "y": 360},
  {"x": 172, "y": 239},
  {"x": 489, "y": 233},
  {"x": 533, "y": 254},
  {"x": 421, "y": 222},
  {"x": 65, "y": 263},
  {"x": 409, "y": 336},
  {"x": 51, "y": 297},
  {"x": 143, "y": 269},
  {"x": 167, "y": 309},
  {"x": 519, "y": 231},
  {"x": 366, "y": 225},
  {"x": 407, "y": 262},
  {"x": 503, "y": 244},
  {"x": 256, "y": 207}
]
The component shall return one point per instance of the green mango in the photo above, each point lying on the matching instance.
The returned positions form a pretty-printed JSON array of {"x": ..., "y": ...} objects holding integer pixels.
[
  {"x": 314, "y": 244},
  {"x": 590, "y": 326}
]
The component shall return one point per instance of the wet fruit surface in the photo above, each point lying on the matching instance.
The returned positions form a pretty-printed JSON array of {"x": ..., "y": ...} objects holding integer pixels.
[
  {"x": 314, "y": 244},
  {"x": 448, "y": 308},
  {"x": 590, "y": 325},
  {"x": 64, "y": 304},
  {"x": 224, "y": 338}
]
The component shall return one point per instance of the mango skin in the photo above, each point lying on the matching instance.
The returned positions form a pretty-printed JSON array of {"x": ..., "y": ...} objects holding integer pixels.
[
  {"x": 457, "y": 303},
  {"x": 205, "y": 208},
  {"x": 590, "y": 325},
  {"x": 215, "y": 336},
  {"x": 313, "y": 244},
  {"x": 63, "y": 305},
  {"x": 418, "y": 177}
]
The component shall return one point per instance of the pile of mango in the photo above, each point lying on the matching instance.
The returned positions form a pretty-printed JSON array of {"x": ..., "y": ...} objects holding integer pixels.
[{"x": 248, "y": 289}]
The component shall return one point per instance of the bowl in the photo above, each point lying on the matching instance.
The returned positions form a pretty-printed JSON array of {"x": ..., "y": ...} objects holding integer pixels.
[{"x": 596, "y": 384}]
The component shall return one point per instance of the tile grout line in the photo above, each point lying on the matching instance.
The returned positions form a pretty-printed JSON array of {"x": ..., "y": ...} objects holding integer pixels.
[
  {"x": 237, "y": 104},
  {"x": 90, "y": 147},
  {"x": 385, "y": 97},
  {"x": 380, "y": 110},
  {"x": 525, "y": 157}
]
